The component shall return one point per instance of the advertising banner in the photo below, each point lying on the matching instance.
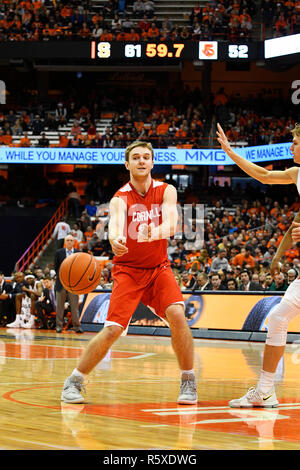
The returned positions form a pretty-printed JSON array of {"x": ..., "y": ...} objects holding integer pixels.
[
  {"x": 116, "y": 156},
  {"x": 222, "y": 311}
]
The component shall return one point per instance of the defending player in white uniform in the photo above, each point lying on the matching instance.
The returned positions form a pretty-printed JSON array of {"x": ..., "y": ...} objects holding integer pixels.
[{"x": 263, "y": 395}]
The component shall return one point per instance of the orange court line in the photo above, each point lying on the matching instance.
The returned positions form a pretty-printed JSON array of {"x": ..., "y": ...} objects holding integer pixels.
[{"x": 37, "y": 351}]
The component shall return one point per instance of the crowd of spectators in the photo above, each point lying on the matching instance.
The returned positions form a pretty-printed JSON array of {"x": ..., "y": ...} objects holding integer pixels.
[
  {"x": 281, "y": 17},
  {"x": 164, "y": 117},
  {"x": 167, "y": 118},
  {"x": 255, "y": 120},
  {"x": 225, "y": 19},
  {"x": 121, "y": 20}
]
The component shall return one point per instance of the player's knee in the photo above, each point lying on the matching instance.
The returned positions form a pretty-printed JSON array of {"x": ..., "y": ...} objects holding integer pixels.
[
  {"x": 175, "y": 313},
  {"x": 112, "y": 332},
  {"x": 278, "y": 324}
]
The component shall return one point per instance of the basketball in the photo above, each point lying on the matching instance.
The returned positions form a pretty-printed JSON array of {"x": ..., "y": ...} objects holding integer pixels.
[{"x": 80, "y": 273}]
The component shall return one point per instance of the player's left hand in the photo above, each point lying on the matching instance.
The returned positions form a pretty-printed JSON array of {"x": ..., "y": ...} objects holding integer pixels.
[
  {"x": 152, "y": 234},
  {"x": 146, "y": 233},
  {"x": 143, "y": 233}
]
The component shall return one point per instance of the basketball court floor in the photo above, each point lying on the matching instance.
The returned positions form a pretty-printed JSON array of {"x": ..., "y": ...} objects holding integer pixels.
[{"x": 131, "y": 396}]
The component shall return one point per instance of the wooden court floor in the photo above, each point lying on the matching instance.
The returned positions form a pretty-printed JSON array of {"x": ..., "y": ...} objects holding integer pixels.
[{"x": 131, "y": 396}]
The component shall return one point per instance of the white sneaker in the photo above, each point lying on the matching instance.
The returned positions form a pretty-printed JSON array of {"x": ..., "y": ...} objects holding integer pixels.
[
  {"x": 16, "y": 323},
  {"x": 255, "y": 399},
  {"x": 29, "y": 323},
  {"x": 188, "y": 390},
  {"x": 71, "y": 392}
]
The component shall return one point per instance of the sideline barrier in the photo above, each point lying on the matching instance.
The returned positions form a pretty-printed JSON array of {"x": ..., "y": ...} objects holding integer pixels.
[{"x": 221, "y": 315}]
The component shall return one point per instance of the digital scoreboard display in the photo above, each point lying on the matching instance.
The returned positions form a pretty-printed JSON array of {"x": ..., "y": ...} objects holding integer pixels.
[{"x": 172, "y": 52}]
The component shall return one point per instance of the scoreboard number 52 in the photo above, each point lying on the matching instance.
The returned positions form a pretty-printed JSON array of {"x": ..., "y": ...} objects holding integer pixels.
[{"x": 238, "y": 51}]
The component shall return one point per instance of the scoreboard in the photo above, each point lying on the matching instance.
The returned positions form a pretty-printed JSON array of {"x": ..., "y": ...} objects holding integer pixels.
[
  {"x": 100, "y": 53},
  {"x": 103, "y": 51}
]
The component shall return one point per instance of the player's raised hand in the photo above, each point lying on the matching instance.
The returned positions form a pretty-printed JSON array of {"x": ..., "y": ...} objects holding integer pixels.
[
  {"x": 222, "y": 139},
  {"x": 118, "y": 246}
]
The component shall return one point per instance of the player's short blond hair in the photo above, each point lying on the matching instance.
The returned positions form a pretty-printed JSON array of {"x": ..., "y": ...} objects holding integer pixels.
[
  {"x": 296, "y": 131},
  {"x": 135, "y": 144}
]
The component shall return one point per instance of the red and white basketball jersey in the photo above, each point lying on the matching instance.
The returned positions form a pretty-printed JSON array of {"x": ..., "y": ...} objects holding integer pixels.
[{"x": 142, "y": 210}]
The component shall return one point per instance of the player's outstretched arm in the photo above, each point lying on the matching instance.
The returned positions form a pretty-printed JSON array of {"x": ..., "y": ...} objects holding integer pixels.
[
  {"x": 117, "y": 213},
  {"x": 169, "y": 216},
  {"x": 288, "y": 176}
]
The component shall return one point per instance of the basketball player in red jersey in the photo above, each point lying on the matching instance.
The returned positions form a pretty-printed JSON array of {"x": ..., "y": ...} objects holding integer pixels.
[
  {"x": 263, "y": 395},
  {"x": 143, "y": 215}
]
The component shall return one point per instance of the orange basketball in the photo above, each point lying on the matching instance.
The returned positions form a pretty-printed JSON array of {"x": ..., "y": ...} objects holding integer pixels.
[{"x": 80, "y": 273}]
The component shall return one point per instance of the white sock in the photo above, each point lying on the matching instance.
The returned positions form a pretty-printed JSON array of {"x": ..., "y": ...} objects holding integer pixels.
[
  {"x": 189, "y": 372},
  {"x": 77, "y": 373},
  {"x": 266, "y": 381}
]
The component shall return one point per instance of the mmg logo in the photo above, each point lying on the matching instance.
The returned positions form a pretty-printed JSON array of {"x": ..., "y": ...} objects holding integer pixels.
[
  {"x": 296, "y": 94},
  {"x": 2, "y": 92}
]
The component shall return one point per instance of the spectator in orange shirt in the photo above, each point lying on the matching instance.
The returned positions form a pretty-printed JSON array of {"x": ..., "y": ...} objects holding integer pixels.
[
  {"x": 133, "y": 35},
  {"x": 27, "y": 5},
  {"x": 153, "y": 32},
  {"x": 122, "y": 36},
  {"x": 97, "y": 18},
  {"x": 25, "y": 141},
  {"x": 4, "y": 23},
  {"x": 37, "y": 4},
  {"x": 85, "y": 31},
  {"x": 220, "y": 98},
  {"x": 106, "y": 36},
  {"x": 89, "y": 233},
  {"x": 281, "y": 25},
  {"x": 66, "y": 12},
  {"x": 64, "y": 140},
  {"x": 163, "y": 127},
  {"x": 7, "y": 138},
  {"x": 47, "y": 31},
  {"x": 244, "y": 258},
  {"x": 291, "y": 254},
  {"x": 181, "y": 132},
  {"x": 289, "y": 5},
  {"x": 244, "y": 16},
  {"x": 74, "y": 141}
]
